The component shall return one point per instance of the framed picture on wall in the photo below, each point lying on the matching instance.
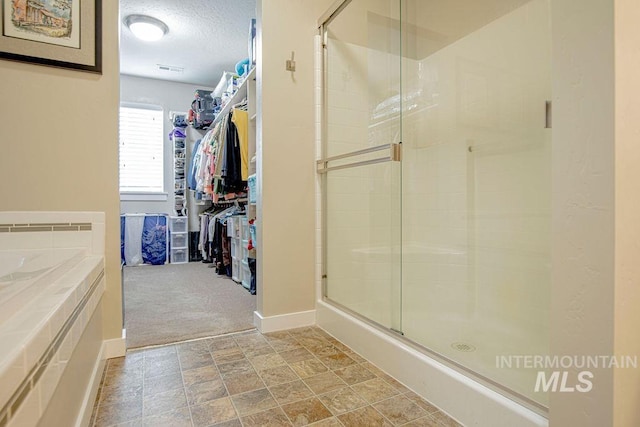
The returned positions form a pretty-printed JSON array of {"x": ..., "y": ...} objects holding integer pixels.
[{"x": 57, "y": 33}]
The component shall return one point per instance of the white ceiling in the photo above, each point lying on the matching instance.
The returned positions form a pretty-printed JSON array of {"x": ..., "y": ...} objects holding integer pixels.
[{"x": 206, "y": 37}]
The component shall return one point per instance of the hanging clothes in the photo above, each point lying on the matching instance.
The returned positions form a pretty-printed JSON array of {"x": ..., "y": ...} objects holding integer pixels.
[{"x": 240, "y": 119}]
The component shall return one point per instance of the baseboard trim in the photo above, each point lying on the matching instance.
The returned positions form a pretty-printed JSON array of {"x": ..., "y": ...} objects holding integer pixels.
[
  {"x": 116, "y": 347},
  {"x": 284, "y": 321},
  {"x": 90, "y": 396}
]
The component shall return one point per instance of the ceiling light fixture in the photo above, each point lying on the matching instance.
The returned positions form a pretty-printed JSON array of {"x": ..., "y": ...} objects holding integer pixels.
[{"x": 146, "y": 28}]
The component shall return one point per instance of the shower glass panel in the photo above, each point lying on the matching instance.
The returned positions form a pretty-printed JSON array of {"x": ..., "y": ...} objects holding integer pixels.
[
  {"x": 362, "y": 190},
  {"x": 450, "y": 246},
  {"x": 476, "y": 196}
]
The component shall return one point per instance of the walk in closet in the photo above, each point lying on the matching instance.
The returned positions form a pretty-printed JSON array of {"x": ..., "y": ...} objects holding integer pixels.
[{"x": 203, "y": 205}]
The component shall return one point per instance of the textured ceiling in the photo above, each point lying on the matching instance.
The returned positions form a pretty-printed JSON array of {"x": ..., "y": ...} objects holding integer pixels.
[{"x": 206, "y": 37}]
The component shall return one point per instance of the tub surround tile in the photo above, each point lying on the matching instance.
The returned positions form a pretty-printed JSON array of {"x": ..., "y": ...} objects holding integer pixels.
[{"x": 40, "y": 340}]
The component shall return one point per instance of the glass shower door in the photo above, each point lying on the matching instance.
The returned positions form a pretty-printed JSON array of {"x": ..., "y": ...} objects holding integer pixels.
[
  {"x": 477, "y": 183},
  {"x": 360, "y": 166}
]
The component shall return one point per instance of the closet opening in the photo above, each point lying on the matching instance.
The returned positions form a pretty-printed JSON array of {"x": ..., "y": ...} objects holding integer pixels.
[{"x": 187, "y": 170}]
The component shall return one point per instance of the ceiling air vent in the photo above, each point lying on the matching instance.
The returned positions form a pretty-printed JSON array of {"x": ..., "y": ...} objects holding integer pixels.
[{"x": 170, "y": 68}]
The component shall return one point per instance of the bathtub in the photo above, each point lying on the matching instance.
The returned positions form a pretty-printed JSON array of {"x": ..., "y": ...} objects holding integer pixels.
[
  {"x": 52, "y": 279},
  {"x": 23, "y": 273}
]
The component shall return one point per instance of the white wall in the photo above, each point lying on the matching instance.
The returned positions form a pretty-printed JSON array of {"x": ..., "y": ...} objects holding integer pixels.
[{"x": 171, "y": 96}]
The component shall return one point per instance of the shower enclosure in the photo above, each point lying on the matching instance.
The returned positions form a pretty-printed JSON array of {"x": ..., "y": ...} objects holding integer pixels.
[{"x": 436, "y": 178}]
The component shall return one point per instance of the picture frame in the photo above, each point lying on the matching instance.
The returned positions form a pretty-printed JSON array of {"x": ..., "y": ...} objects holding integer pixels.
[{"x": 56, "y": 33}]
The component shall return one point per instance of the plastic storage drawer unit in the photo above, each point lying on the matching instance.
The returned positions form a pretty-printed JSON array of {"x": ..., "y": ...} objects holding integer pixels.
[
  {"x": 178, "y": 224},
  {"x": 179, "y": 256},
  {"x": 178, "y": 240}
]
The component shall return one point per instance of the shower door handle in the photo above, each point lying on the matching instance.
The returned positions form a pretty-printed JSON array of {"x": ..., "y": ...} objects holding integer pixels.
[{"x": 394, "y": 155}]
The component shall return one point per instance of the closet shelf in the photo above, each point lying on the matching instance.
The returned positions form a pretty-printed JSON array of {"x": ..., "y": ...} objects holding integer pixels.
[
  {"x": 253, "y": 117},
  {"x": 237, "y": 97}
]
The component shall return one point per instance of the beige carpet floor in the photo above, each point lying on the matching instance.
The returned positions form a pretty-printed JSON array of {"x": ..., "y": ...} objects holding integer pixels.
[{"x": 176, "y": 302}]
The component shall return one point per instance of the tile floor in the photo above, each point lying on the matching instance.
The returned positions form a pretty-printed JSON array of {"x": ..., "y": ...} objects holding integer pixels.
[{"x": 296, "y": 377}]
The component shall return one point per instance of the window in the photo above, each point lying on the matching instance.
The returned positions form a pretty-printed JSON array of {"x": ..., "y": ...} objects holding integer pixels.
[{"x": 141, "y": 149}]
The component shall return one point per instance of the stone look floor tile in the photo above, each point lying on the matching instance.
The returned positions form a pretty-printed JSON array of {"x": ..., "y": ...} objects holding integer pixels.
[
  {"x": 308, "y": 368},
  {"x": 227, "y": 355},
  {"x": 200, "y": 375},
  {"x": 118, "y": 413},
  {"x": 162, "y": 383},
  {"x": 239, "y": 381},
  {"x": 176, "y": 418},
  {"x": 444, "y": 419},
  {"x": 253, "y": 401},
  {"x": 278, "y": 375},
  {"x": 366, "y": 416},
  {"x": 421, "y": 402},
  {"x": 355, "y": 356},
  {"x": 243, "y": 382},
  {"x": 213, "y": 412},
  {"x": 206, "y": 391},
  {"x": 297, "y": 355},
  {"x": 258, "y": 350},
  {"x": 324, "y": 383},
  {"x": 270, "y": 418},
  {"x": 237, "y": 367},
  {"x": 266, "y": 361},
  {"x": 375, "y": 390},
  {"x": 231, "y": 423},
  {"x": 342, "y": 401},
  {"x": 290, "y": 392},
  {"x": 354, "y": 374},
  {"x": 195, "y": 360},
  {"x": 427, "y": 421},
  {"x": 399, "y": 410},
  {"x": 306, "y": 411},
  {"x": 161, "y": 365},
  {"x": 164, "y": 402},
  {"x": 121, "y": 393},
  {"x": 327, "y": 422}
]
